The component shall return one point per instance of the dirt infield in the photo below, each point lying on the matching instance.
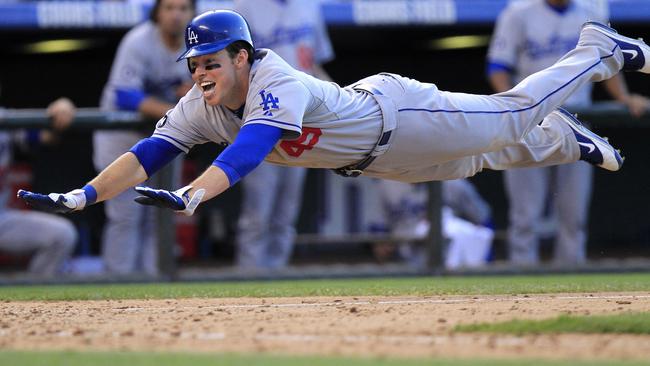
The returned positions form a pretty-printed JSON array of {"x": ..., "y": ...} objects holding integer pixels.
[{"x": 378, "y": 326}]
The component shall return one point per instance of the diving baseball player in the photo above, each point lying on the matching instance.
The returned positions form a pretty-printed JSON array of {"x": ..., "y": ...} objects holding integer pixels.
[
  {"x": 531, "y": 36},
  {"x": 385, "y": 126}
]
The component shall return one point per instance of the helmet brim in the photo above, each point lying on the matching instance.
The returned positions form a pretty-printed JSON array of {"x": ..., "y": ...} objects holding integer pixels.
[{"x": 202, "y": 49}]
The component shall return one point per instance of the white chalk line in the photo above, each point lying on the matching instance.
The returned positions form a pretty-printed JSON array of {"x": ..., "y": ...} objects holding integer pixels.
[
  {"x": 386, "y": 302},
  {"x": 504, "y": 340},
  {"x": 500, "y": 340}
]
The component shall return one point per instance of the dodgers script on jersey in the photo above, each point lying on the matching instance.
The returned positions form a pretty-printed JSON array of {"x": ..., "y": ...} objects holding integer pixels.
[{"x": 303, "y": 106}]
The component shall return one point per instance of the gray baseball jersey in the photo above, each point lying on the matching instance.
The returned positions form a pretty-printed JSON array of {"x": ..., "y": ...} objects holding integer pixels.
[
  {"x": 435, "y": 135},
  {"x": 142, "y": 63},
  {"x": 531, "y": 35},
  {"x": 293, "y": 29}
]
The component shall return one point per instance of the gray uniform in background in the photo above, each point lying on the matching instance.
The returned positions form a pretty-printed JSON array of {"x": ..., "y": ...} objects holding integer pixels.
[
  {"x": 531, "y": 36},
  {"x": 272, "y": 194},
  {"x": 51, "y": 238},
  {"x": 142, "y": 64}
]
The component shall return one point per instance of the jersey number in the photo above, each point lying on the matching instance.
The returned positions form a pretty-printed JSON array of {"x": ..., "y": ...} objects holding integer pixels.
[{"x": 306, "y": 141}]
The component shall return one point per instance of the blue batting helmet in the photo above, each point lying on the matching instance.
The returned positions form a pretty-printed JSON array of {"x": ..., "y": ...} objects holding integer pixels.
[{"x": 213, "y": 31}]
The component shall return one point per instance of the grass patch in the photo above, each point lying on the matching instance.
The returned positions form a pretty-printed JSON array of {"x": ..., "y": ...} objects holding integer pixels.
[
  {"x": 631, "y": 323},
  {"x": 173, "y": 359},
  {"x": 419, "y": 286}
]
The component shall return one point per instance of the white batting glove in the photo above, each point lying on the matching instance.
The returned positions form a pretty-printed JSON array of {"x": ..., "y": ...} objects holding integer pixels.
[
  {"x": 178, "y": 200},
  {"x": 55, "y": 202}
]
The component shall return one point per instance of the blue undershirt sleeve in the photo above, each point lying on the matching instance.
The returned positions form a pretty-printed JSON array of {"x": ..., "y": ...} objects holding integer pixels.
[
  {"x": 493, "y": 67},
  {"x": 153, "y": 153},
  {"x": 129, "y": 99},
  {"x": 253, "y": 143}
]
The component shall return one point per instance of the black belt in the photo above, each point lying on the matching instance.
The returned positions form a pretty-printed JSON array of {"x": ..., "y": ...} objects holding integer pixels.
[{"x": 356, "y": 169}]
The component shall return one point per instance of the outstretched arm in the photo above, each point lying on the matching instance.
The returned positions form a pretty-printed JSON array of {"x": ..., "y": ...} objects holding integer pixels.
[
  {"x": 249, "y": 149},
  {"x": 132, "y": 168},
  {"x": 125, "y": 172}
]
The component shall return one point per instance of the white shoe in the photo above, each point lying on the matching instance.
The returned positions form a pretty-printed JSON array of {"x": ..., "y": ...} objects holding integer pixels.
[
  {"x": 636, "y": 54},
  {"x": 593, "y": 148}
]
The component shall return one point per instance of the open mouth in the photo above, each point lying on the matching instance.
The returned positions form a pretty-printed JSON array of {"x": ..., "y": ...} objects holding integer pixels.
[{"x": 207, "y": 85}]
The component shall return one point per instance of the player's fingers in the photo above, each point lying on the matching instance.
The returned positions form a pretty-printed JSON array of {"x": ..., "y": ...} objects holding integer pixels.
[
  {"x": 162, "y": 198},
  {"x": 148, "y": 201},
  {"x": 41, "y": 202},
  {"x": 22, "y": 192}
]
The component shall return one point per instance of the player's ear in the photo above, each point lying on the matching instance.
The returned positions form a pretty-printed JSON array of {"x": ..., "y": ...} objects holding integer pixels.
[{"x": 242, "y": 57}]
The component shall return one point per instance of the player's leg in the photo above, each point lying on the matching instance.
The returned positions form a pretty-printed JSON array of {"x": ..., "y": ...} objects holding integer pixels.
[
  {"x": 121, "y": 240},
  {"x": 121, "y": 243},
  {"x": 51, "y": 237},
  {"x": 573, "y": 189},
  {"x": 526, "y": 190},
  {"x": 259, "y": 190},
  {"x": 148, "y": 256},
  {"x": 287, "y": 206},
  {"x": 464, "y": 124},
  {"x": 552, "y": 142}
]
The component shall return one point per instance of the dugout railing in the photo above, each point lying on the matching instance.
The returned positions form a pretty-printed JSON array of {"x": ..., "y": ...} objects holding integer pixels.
[{"x": 605, "y": 114}]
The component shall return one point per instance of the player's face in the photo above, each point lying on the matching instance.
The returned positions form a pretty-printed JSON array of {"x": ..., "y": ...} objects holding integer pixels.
[
  {"x": 173, "y": 16},
  {"x": 222, "y": 79}
]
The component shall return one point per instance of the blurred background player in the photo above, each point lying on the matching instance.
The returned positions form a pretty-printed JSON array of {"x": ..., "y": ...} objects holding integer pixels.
[
  {"x": 50, "y": 238},
  {"x": 145, "y": 77},
  {"x": 466, "y": 222},
  {"x": 272, "y": 194},
  {"x": 530, "y": 36}
]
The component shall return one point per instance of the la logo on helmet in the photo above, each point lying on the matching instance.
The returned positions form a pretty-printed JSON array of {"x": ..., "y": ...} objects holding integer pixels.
[{"x": 191, "y": 36}]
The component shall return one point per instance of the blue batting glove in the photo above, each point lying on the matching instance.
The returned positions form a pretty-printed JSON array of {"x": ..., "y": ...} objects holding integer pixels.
[
  {"x": 178, "y": 200},
  {"x": 55, "y": 202}
]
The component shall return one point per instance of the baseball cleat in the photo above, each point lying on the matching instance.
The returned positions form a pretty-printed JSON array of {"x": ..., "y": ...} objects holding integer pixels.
[
  {"x": 593, "y": 148},
  {"x": 636, "y": 54}
]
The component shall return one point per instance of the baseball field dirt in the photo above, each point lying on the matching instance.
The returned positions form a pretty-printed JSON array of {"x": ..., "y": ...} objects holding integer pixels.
[{"x": 353, "y": 326}]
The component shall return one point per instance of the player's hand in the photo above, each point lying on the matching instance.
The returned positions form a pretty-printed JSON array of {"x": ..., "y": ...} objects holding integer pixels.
[
  {"x": 637, "y": 104},
  {"x": 178, "y": 200},
  {"x": 55, "y": 202},
  {"x": 62, "y": 112}
]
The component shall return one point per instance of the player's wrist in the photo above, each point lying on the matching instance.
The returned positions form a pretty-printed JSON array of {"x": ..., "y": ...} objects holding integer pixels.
[{"x": 90, "y": 194}]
